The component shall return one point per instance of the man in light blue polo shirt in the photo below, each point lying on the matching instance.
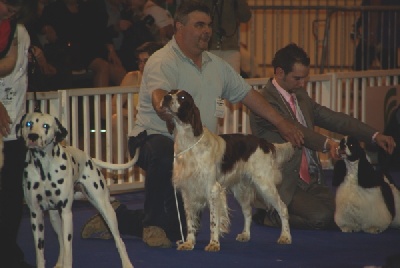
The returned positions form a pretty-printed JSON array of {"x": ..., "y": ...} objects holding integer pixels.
[{"x": 185, "y": 64}]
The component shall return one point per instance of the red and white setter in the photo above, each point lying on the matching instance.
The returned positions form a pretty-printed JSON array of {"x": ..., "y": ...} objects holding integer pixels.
[{"x": 206, "y": 164}]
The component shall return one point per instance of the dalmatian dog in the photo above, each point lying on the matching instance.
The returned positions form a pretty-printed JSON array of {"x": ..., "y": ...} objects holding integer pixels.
[{"x": 51, "y": 172}]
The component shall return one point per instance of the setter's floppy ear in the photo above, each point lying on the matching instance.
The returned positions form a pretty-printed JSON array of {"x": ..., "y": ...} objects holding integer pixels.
[
  {"x": 339, "y": 172},
  {"x": 197, "y": 126}
]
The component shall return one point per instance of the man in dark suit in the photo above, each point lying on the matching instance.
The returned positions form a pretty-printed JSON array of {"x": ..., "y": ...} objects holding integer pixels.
[{"x": 310, "y": 201}]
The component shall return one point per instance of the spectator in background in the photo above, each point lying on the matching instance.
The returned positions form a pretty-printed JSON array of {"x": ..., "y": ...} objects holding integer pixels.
[
  {"x": 378, "y": 37},
  {"x": 133, "y": 78},
  {"x": 78, "y": 32},
  {"x": 136, "y": 32},
  {"x": 14, "y": 44},
  {"x": 42, "y": 75},
  {"x": 158, "y": 19},
  {"x": 226, "y": 17}
]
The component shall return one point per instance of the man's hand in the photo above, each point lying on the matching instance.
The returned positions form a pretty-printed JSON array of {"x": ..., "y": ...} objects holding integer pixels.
[
  {"x": 290, "y": 132},
  {"x": 332, "y": 146},
  {"x": 387, "y": 143},
  {"x": 157, "y": 96},
  {"x": 5, "y": 121}
]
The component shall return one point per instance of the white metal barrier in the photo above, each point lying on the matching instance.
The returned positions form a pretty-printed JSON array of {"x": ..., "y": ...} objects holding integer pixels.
[{"x": 87, "y": 114}]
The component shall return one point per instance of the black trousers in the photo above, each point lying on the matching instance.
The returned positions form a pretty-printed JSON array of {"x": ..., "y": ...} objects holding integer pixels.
[
  {"x": 11, "y": 202},
  {"x": 156, "y": 158}
]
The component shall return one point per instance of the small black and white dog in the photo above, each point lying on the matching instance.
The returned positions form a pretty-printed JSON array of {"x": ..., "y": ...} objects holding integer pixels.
[{"x": 366, "y": 199}]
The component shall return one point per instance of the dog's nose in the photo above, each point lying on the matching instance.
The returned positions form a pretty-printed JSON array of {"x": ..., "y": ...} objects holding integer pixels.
[
  {"x": 166, "y": 100},
  {"x": 167, "y": 97},
  {"x": 33, "y": 136}
]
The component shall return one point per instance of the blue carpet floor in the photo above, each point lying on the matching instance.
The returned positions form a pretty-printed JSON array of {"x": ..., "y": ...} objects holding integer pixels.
[{"x": 309, "y": 248}]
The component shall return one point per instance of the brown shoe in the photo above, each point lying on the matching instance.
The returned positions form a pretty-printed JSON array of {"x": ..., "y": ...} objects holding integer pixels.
[
  {"x": 154, "y": 236},
  {"x": 96, "y": 227}
]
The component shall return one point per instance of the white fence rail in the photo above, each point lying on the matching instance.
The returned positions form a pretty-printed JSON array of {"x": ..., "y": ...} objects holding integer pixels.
[{"x": 87, "y": 114}]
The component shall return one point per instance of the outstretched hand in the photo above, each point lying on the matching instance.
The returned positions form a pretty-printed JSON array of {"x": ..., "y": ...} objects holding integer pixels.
[
  {"x": 290, "y": 132},
  {"x": 387, "y": 143}
]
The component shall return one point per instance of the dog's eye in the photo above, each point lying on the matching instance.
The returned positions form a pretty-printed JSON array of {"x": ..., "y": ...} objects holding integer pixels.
[
  {"x": 181, "y": 97},
  {"x": 29, "y": 124},
  {"x": 46, "y": 126}
]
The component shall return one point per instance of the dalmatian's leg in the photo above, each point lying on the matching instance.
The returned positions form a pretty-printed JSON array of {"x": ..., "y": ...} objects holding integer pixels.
[
  {"x": 55, "y": 220},
  {"x": 37, "y": 225},
  {"x": 98, "y": 194},
  {"x": 66, "y": 232}
]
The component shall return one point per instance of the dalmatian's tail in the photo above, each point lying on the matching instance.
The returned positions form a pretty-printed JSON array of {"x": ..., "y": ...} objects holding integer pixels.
[{"x": 109, "y": 165}]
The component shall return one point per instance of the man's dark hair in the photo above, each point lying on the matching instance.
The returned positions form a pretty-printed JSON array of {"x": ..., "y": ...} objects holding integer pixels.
[
  {"x": 188, "y": 7},
  {"x": 286, "y": 57},
  {"x": 149, "y": 47}
]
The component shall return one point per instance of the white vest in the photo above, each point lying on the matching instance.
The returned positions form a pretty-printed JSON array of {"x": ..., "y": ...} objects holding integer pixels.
[{"x": 13, "y": 87}]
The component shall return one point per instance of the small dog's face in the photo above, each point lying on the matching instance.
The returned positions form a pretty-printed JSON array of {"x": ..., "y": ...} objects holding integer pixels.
[
  {"x": 350, "y": 149},
  {"x": 38, "y": 130}
]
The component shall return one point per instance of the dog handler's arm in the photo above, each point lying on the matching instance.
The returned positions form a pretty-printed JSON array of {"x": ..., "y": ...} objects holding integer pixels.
[
  {"x": 156, "y": 98},
  {"x": 256, "y": 102},
  {"x": 5, "y": 121}
]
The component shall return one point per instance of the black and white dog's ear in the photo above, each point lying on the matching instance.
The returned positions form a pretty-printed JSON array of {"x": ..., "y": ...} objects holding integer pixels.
[
  {"x": 367, "y": 176},
  {"x": 18, "y": 127},
  {"x": 61, "y": 132},
  {"x": 339, "y": 172}
]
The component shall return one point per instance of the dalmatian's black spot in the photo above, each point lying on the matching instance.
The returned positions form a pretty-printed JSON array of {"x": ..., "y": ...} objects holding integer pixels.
[
  {"x": 73, "y": 160},
  {"x": 58, "y": 151},
  {"x": 90, "y": 164},
  {"x": 41, "y": 207},
  {"x": 53, "y": 185},
  {"x": 28, "y": 185},
  {"x": 25, "y": 174},
  {"x": 48, "y": 193},
  {"x": 60, "y": 181},
  {"x": 96, "y": 186},
  {"x": 39, "y": 197},
  {"x": 49, "y": 176},
  {"x": 41, "y": 227},
  {"x": 33, "y": 215},
  {"x": 33, "y": 227},
  {"x": 40, "y": 244},
  {"x": 98, "y": 172},
  {"x": 57, "y": 192},
  {"x": 36, "y": 185},
  {"x": 65, "y": 203},
  {"x": 42, "y": 154},
  {"x": 63, "y": 167},
  {"x": 59, "y": 206},
  {"x": 64, "y": 156},
  {"x": 102, "y": 184},
  {"x": 69, "y": 237},
  {"x": 84, "y": 177}
]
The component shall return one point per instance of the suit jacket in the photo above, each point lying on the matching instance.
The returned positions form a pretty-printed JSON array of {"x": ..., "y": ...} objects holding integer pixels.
[{"x": 314, "y": 115}]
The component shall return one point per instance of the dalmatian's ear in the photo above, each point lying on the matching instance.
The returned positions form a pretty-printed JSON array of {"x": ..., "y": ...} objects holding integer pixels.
[
  {"x": 61, "y": 131},
  {"x": 18, "y": 127}
]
